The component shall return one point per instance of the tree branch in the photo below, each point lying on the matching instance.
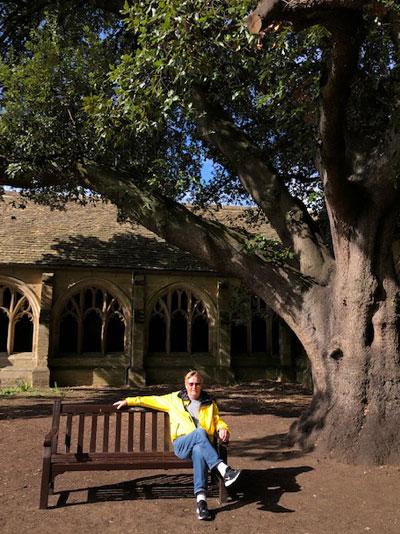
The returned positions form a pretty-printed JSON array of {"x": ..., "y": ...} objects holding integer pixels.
[
  {"x": 288, "y": 215},
  {"x": 302, "y": 13},
  {"x": 384, "y": 162},
  {"x": 223, "y": 249},
  {"x": 343, "y": 19},
  {"x": 335, "y": 94}
]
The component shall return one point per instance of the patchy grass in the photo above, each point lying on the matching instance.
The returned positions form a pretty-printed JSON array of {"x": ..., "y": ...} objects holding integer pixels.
[{"x": 23, "y": 388}]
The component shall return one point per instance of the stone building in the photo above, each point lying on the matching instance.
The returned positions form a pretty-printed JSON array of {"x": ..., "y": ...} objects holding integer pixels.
[{"x": 86, "y": 300}]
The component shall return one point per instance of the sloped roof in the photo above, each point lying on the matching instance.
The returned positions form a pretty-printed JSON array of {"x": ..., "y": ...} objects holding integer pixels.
[{"x": 90, "y": 236}]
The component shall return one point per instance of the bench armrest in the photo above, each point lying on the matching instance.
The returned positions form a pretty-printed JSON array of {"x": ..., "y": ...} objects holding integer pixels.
[{"x": 50, "y": 436}]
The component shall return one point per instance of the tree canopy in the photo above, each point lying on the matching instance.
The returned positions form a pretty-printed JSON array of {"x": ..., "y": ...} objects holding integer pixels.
[{"x": 81, "y": 83}]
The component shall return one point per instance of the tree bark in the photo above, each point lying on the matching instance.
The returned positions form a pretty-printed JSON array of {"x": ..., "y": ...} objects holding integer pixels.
[{"x": 351, "y": 333}]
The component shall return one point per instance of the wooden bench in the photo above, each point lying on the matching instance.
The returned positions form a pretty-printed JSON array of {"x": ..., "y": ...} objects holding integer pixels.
[{"x": 102, "y": 438}]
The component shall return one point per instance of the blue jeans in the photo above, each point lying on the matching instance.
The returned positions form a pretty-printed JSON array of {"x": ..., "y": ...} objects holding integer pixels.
[{"x": 197, "y": 446}]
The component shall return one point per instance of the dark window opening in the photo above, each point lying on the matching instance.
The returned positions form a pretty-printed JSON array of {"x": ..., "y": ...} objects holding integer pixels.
[
  {"x": 68, "y": 334},
  {"x": 297, "y": 347},
  {"x": 275, "y": 335},
  {"x": 238, "y": 338},
  {"x": 115, "y": 334},
  {"x": 92, "y": 332},
  {"x": 258, "y": 335},
  {"x": 174, "y": 301},
  {"x": 184, "y": 301},
  {"x": 200, "y": 334},
  {"x": 178, "y": 333},
  {"x": 157, "y": 334},
  {"x": 99, "y": 299},
  {"x": 88, "y": 300},
  {"x": 4, "y": 322},
  {"x": 23, "y": 335},
  {"x": 7, "y": 298}
]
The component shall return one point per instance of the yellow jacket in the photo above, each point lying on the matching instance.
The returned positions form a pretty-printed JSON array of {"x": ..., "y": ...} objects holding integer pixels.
[{"x": 181, "y": 422}]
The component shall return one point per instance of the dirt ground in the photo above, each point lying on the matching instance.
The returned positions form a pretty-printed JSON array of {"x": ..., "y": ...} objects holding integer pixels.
[{"x": 281, "y": 490}]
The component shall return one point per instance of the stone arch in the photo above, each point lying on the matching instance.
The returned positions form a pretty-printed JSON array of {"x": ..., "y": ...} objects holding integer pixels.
[
  {"x": 202, "y": 310},
  {"x": 22, "y": 311},
  {"x": 105, "y": 295}
]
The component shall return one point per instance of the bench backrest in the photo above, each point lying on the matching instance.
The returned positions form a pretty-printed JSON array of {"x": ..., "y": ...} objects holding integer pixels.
[{"x": 87, "y": 428}]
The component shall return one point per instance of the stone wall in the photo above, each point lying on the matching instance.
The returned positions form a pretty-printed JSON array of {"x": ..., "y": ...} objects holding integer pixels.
[{"x": 70, "y": 305}]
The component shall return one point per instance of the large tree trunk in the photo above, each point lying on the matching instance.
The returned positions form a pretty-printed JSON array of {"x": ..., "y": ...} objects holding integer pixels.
[{"x": 350, "y": 332}]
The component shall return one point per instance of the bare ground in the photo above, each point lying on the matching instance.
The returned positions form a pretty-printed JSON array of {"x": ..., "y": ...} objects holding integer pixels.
[{"x": 281, "y": 490}]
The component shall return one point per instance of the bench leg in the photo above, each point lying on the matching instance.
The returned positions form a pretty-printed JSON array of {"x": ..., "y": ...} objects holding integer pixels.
[
  {"x": 222, "y": 492},
  {"x": 217, "y": 481},
  {"x": 47, "y": 485}
]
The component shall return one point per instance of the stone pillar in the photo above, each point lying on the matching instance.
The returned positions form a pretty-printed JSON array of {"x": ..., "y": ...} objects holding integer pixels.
[
  {"x": 225, "y": 372},
  {"x": 137, "y": 374},
  {"x": 286, "y": 371},
  {"x": 41, "y": 372}
]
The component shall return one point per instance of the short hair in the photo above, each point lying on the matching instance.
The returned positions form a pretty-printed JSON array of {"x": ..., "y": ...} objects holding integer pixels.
[{"x": 193, "y": 372}]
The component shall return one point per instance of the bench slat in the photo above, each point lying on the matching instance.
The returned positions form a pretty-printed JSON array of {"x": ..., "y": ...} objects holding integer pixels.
[
  {"x": 81, "y": 430},
  {"x": 111, "y": 456},
  {"x": 93, "y": 434},
  {"x": 116, "y": 461},
  {"x": 68, "y": 432},
  {"x": 142, "y": 439},
  {"x": 118, "y": 432},
  {"x": 154, "y": 431},
  {"x": 106, "y": 432},
  {"x": 167, "y": 433},
  {"x": 139, "y": 463},
  {"x": 130, "y": 431}
]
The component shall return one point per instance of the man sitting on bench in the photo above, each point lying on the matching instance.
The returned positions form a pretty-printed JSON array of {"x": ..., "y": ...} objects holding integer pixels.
[{"x": 194, "y": 419}]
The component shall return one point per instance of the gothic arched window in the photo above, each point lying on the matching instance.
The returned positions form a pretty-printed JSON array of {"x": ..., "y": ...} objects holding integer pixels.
[
  {"x": 92, "y": 320},
  {"x": 258, "y": 332},
  {"x": 16, "y": 321},
  {"x": 179, "y": 322}
]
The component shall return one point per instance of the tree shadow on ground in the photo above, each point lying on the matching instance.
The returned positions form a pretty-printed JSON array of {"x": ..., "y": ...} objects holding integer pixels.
[
  {"x": 26, "y": 410},
  {"x": 264, "y": 487},
  {"x": 274, "y": 448}
]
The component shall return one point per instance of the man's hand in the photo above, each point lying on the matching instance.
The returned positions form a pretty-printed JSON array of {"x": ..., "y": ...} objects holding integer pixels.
[
  {"x": 120, "y": 404},
  {"x": 223, "y": 435}
]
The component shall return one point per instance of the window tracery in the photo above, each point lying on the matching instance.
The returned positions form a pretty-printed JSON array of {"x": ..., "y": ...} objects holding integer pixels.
[
  {"x": 16, "y": 321},
  {"x": 179, "y": 322},
  {"x": 258, "y": 333},
  {"x": 92, "y": 320}
]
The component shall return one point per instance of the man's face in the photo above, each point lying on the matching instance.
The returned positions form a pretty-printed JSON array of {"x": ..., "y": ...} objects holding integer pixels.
[{"x": 193, "y": 386}]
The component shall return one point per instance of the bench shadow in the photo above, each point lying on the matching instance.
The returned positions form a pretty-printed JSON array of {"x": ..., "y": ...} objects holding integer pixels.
[
  {"x": 264, "y": 487},
  {"x": 164, "y": 486}
]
